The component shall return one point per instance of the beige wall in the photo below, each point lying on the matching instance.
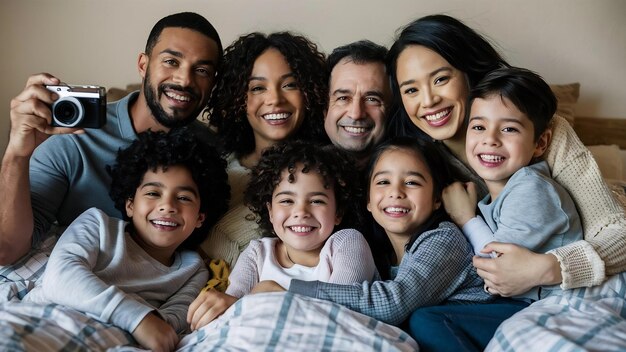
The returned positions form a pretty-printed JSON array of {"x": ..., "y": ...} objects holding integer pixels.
[{"x": 97, "y": 42}]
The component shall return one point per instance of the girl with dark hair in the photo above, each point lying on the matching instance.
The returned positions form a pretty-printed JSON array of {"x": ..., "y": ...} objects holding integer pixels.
[
  {"x": 271, "y": 88},
  {"x": 434, "y": 63},
  {"x": 428, "y": 261}
]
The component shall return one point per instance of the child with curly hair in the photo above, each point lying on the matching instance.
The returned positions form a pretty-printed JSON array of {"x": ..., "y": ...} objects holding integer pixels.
[
  {"x": 302, "y": 195},
  {"x": 141, "y": 274}
]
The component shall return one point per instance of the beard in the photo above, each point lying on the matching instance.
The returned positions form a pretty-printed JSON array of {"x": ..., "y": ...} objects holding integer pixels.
[{"x": 176, "y": 119}]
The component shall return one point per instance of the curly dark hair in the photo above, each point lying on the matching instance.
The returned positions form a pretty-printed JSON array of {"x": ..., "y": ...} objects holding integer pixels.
[
  {"x": 334, "y": 165},
  {"x": 229, "y": 114},
  {"x": 179, "y": 147}
]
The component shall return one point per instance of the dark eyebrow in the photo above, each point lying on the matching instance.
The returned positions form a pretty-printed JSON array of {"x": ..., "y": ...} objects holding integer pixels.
[
  {"x": 375, "y": 93},
  {"x": 311, "y": 194},
  {"x": 380, "y": 173},
  {"x": 410, "y": 173},
  {"x": 189, "y": 189},
  {"x": 342, "y": 91},
  {"x": 505, "y": 119},
  {"x": 180, "y": 55},
  {"x": 286, "y": 193},
  {"x": 434, "y": 73},
  {"x": 406, "y": 83},
  {"x": 417, "y": 174},
  {"x": 314, "y": 194},
  {"x": 152, "y": 184},
  {"x": 259, "y": 78}
]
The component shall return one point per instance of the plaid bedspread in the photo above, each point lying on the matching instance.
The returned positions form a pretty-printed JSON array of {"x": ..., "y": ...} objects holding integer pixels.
[
  {"x": 36, "y": 327},
  {"x": 290, "y": 322},
  {"x": 584, "y": 319},
  {"x": 17, "y": 279},
  {"x": 262, "y": 322}
]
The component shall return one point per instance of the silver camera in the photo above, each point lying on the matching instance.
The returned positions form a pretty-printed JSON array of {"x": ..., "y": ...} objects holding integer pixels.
[{"x": 79, "y": 106}]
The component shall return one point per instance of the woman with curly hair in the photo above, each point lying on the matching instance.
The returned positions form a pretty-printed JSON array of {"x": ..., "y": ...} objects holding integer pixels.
[
  {"x": 272, "y": 88},
  {"x": 301, "y": 193}
]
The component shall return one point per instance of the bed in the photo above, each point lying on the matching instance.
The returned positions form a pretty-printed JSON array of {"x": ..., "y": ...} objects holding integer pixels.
[{"x": 267, "y": 321}]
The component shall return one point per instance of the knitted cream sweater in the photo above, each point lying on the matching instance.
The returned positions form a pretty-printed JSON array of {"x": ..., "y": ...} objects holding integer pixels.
[
  {"x": 603, "y": 252},
  {"x": 232, "y": 233}
]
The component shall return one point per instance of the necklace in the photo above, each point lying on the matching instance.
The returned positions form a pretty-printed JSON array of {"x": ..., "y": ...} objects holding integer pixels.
[{"x": 287, "y": 254}]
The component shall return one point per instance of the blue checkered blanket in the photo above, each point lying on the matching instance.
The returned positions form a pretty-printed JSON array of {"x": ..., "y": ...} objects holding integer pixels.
[
  {"x": 261, "y": 322},
  {"x": 290, "y": 322},
  {"x": 583, "y": 319}
]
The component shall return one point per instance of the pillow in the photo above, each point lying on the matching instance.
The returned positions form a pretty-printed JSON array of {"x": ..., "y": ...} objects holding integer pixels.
[
  {"x": 609, "y": 160},
  {"x": 114, "y": 94},
  {"x": 566, "y": 96}
]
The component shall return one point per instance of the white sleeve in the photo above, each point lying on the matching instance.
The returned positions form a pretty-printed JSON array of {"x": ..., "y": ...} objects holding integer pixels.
[
  {"x": 351, "y": 258},
  {"x": 69, "y": 278}
]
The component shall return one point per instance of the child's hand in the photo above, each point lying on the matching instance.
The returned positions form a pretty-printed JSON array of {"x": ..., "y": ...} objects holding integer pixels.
[
  {"x": 207, "y": 306},
  {"x": 460, "y": 201},
  {"x": 155, "y": 334},
  {"x": 267, "y": 286}
]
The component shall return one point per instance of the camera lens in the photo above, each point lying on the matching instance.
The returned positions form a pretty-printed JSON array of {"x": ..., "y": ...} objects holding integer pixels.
[{"x": 67, "y": 112}]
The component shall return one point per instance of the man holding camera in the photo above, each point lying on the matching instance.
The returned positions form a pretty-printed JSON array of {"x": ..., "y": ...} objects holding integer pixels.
[{"x": 52, "y": 180}]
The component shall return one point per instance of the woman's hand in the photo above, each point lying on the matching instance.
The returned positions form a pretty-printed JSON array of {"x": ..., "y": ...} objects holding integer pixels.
[
  {"x": 267, "y": 286},
  {"x": 208, "y": 306},
  {"x": 460, "y": 201},
  {"x": 516, "y": 269}
]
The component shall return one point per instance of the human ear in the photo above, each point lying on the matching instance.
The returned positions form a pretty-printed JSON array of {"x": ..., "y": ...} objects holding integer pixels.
[
  {"x": 543, "y": 142},
  {"x": 269, "y": 211},
  {"x": 129, "y": 207},
  {"x": 142, "y": 64},
  {"x": 338, "y": 217},
  {"x": 201, "y": 218}
]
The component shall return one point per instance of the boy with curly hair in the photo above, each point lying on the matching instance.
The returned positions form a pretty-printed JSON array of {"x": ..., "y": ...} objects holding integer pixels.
[
  {"x": 302, "y": 194},
  {"x": 142, "y": 273}
]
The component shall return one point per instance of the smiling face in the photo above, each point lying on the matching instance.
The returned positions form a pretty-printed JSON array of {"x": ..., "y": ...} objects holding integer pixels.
[
  {"x": 165, "y": 211},
  {"x": 433, "y": 92},
  {"x": 500, "y": 141},
  {"x": 179, "y": 75},
  {"x": 355, "y": 120},
  {"x": 401, "y": 193},
  {"x": 275, "y": 105},
  {"x": 303, "y": 213}
]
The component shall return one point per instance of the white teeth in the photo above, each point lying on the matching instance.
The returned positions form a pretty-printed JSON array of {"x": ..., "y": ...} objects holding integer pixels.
[
  {"x": 164, "y": 223},
  {"x": 491, "y": 158},
  {"x": 301, "y": 228},
  {"x": 396, "y": 210},
  {"x": 437, "y": 116},
  {"x": 355, "y": 130},
  {"x": 281, "y": 116},
  {"x": 177, "y": 97}
]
